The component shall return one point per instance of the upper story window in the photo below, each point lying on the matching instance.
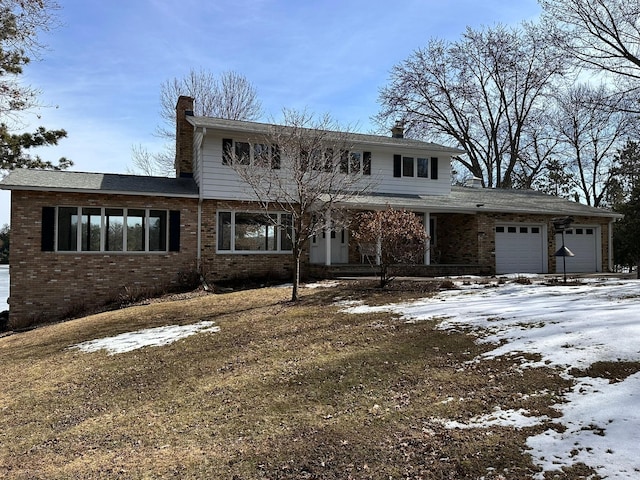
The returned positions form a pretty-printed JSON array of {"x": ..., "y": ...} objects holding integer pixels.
[
  {"x": 260, "y": 154},
  {"x": 246, "y": 153},
  {"x": 355, "y": 162},
  {"x": 99, "y": 229},
  {"x": 419, "y": 167}
]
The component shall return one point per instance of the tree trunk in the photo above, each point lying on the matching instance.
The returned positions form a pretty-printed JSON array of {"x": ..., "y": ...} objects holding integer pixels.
[{"x": 296, "y": 276}]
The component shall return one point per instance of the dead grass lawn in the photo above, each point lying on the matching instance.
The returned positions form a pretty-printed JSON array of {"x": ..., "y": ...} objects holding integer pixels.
[{"x": 283, "y": 391}]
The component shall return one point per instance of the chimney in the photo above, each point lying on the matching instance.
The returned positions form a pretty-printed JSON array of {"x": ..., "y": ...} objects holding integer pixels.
[
  {"x": 398, "y": 130},
  {"x": 184, "y": 137},
  {"x": 474, "y": 182}
]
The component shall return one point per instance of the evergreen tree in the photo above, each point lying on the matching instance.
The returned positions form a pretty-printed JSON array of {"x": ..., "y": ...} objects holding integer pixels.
[{"x": 20, "y": 23}]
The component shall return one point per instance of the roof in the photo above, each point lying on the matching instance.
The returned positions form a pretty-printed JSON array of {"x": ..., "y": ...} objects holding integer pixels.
[
  {"x": 461, "y": 199},
  {"x": 82, "y": 182},
  {"x": 359, "y": 138},
  {"x": 475, "y": 200}
]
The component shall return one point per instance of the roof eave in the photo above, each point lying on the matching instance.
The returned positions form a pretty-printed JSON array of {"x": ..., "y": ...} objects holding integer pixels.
[{"x": 96, "y": 191}]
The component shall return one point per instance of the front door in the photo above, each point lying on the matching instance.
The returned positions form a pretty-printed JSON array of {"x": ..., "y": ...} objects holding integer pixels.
[{"x": 339, "y": 247}]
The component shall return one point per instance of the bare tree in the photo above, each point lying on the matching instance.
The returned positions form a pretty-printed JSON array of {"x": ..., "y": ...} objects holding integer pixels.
[
  {"x": 480, "y": 92},
  {"x": 590, "y": 137},
  {"x": 304, "y": 167},
  {"x": 603, "y": 34},
  {"x": 158, "y": 164},
  {"x": 399, "y": 237},
  {"x": 228, "y": 95}
]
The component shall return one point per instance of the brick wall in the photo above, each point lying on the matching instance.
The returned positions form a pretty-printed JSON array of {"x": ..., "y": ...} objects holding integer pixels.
[
  {"x": 184, "y": 138},
  {"x": 46, "y": 286}
]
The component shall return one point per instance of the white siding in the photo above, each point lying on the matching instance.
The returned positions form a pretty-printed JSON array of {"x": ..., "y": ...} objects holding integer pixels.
[
  {"x": 197, "y": 157},
  {"x": 220, "y": 181}
]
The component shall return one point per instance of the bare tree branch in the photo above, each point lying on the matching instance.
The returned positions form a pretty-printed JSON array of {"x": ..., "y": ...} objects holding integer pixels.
[
  {"x": 301, "y": 167},
  {"x": 483, "y": 93}
]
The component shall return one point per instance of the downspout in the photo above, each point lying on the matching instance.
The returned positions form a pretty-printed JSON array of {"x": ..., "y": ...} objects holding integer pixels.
[{"x": 200, "y": 199}]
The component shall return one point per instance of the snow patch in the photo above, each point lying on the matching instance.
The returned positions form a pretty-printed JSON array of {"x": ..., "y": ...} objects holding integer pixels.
[
  {"x": 569, "y": 326},
  {"x": 150, "y": 337}
]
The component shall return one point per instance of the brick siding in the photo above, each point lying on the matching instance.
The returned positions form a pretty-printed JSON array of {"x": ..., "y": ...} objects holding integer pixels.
[{"x": 46, "y": 286}]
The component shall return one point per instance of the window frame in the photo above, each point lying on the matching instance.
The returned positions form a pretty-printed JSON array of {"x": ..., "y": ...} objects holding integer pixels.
[
  {"x": 269, "y": 153},
  {"x": 415, "y": 165},
  {"x": 81, "y": 239},
  {"x": 281, "y": 236}
]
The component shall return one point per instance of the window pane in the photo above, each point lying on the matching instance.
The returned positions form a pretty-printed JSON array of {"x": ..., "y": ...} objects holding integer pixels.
[
  {"x": 91, "y": 226},
  {"x": 407, "y": 166},
  {"x": 286, "y": 235},
  {"x": 356, "y": 158},
  {"x": 114, "y": 225},
  {"x": 254, "y": 232},
  {"x": 366, "y": 163},
  {"x": 67, "y": 229},
  {"x": 135, "y": 230},
  {"x": 243, "y": 153},
  {"x": 157, "y": 231},
  {"x": 275, "y": 157},
  {"x": 261, "y": 155},
  {"x": 423, "y": 168},
  {"x": 224, "y": 231},
  {"x": 344, "y": 161}
]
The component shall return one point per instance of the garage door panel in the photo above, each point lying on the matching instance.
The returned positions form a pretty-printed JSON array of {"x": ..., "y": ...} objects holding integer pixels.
[
  {"x": 519, "y": 249},
  {"x": 583, "y": 243}
]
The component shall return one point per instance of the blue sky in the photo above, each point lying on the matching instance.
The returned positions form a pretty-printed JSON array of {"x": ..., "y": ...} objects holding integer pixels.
[{"x": 102, "y": 72}]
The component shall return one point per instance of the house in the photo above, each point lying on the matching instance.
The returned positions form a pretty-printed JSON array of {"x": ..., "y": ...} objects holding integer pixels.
[{"x": 82, "y": 239}]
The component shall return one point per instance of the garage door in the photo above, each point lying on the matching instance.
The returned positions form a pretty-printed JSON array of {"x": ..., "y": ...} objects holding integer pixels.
[
  {"x": 583, "y": 242},
  {"x": 519, "y": 249}
]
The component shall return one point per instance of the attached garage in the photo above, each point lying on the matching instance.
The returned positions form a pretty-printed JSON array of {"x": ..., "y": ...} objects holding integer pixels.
[
  {"x": 520, "y": 248},
  {"x": 584, "y": 243}
]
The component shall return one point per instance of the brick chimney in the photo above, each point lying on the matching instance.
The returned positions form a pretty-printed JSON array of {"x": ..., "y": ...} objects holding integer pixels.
[
  {"x": 398, "y": 130},
  {"x": 184, "y": 137}
]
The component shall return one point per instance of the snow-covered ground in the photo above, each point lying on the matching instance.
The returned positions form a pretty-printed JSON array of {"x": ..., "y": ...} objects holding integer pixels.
[
  {"x": 569, "y": 326},
  {"x": 4, "y": 287},
  {"x": 149, "y": 337}
]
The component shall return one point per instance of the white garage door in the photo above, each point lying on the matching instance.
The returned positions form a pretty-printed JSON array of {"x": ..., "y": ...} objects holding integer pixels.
[
  {"x": 583, "y": 242},
  {"x": 519, "y": 249}
]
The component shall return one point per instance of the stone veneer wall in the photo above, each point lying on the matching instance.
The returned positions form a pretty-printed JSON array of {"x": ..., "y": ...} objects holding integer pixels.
[{"x": 46, "y": 286}]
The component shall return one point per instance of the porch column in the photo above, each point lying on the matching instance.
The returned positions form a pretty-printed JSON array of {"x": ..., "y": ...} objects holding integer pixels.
[
  {"x": 427, "y": 228},
  {"x": 327, "y": 237}
]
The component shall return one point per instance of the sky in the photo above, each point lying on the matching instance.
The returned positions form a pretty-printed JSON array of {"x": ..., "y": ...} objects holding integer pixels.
[{"x": 101, "y": 74}]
